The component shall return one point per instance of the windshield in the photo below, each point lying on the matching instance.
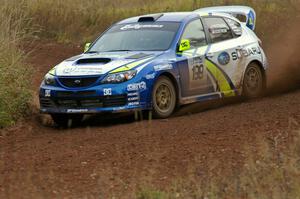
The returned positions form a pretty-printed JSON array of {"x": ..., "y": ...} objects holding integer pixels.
[{"x": 156, "y": 36}]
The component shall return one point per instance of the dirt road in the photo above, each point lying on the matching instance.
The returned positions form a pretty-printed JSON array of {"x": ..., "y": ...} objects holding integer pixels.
[{"x": 115, "y": 156}]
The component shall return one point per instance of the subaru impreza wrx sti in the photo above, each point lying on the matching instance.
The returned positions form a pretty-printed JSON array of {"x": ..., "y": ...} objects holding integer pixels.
[{"x": 157, "y": 62}]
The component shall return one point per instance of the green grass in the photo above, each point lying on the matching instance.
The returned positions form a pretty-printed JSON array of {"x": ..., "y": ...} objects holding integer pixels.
[{"x": 147, "y": 193}]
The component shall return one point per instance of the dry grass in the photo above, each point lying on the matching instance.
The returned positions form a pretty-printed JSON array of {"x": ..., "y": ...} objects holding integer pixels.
[
  {"x": 14, "y": 74},
  {"x": 80, "y": 21}
]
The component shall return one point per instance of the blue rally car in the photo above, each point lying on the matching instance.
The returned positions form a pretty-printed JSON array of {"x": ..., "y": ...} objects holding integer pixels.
[{"x": 157, "y": 62}]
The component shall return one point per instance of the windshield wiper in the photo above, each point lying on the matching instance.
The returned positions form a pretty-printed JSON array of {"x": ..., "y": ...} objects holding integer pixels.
[
  {"x": 120, "y": 50},
  {"x": 90, "y": 52}
]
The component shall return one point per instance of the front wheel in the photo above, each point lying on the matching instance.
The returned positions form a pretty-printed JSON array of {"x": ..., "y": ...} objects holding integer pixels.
[
  {"x": 253, "y": 85},
  {"x": 66, "y": 120},
  {"x": 163, "y": 98}
]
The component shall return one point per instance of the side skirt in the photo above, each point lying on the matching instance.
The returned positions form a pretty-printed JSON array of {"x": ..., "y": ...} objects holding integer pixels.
[{"x": 206, "y": 97}]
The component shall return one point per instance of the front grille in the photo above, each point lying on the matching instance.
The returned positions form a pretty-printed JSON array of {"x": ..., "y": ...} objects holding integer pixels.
[
  {"x": 65, "y": 94},
  {"x": 73, "y": 82},
  {"x": 67, "y": 103},
  {"x": 47, "y": 103},
  {"x": 114, "y": 101},
  {"x": 94, "y": 102}
]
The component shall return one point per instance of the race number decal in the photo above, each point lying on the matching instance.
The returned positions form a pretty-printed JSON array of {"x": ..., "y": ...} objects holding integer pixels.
[
  {"x": 198, "y": 69},
  {"x": 197, "y": 77}
]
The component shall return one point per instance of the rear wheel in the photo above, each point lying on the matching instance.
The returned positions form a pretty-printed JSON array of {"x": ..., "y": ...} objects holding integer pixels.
[
  {"x": 66, "y": 120},
  {"x": 163, "y": 98},
  {"x": 253, "y": 85}
]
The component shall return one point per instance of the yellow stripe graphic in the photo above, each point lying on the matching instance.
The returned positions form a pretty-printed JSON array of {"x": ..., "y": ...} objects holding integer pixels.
[
  {"x": 224, "y": 85},
  {"x": 130, "y": 66}
]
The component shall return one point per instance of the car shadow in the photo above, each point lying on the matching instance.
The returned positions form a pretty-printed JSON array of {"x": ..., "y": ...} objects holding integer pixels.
[{"x": 107, "y": 120}]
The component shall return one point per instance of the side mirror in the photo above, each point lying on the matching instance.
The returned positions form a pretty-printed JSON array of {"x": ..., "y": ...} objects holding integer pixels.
[
  {"x": 86, "y": 47},
  {"x": 218, "y": 29},
  {"x": 184, "y": 45}
]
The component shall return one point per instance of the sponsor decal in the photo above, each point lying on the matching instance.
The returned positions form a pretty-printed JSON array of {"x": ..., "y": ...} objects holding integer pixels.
[
  {"x": 77, "y": 110},
  {"x": 218, "y": 29},
  {"x": 163, "y": 67},
  {"x": 82, "y": 70},
  {"x": 224, "y": 58},
  {"x": 133, "y": 98},
  {"x": 133, "y": 103},
  {"x": 69, "y": 70},
  {"x": 150, "y": 76},
  {"x": 107, "y": 91},
  {"x": 133, "y": 94},
  {"x": 47, "y": 93},
  {"x": 137, "y": 86},
  {"x": 140, "y": 26},
  {"x": 238, "y": 54}
]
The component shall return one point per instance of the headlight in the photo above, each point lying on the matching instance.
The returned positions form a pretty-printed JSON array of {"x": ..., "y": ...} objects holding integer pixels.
[
  {"x": 119, "y": 77},
  {"x": 49, "y": 79}
]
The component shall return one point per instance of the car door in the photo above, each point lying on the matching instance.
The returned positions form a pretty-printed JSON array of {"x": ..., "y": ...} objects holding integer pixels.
[
  {"x": 223, "y": 56},
  {"x": 193, "y": 74}
]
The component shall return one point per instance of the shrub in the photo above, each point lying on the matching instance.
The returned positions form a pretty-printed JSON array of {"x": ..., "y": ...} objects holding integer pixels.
[{"x": 14, "y": 74}]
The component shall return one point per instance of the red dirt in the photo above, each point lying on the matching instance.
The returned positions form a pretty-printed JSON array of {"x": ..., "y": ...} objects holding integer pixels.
[{"x": 115, "y": 156}]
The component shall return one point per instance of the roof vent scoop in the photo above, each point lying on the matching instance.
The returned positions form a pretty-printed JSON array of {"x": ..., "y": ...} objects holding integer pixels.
[{"x": 150, "y": 18}]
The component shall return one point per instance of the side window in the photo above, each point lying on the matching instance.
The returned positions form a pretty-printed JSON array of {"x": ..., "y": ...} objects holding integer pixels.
[
  {"x": 240, "y": 17},
  {"x": 218, "y": 29},
  {"x": 194, "y": 32},
  {"x": 235, "y": 27}
]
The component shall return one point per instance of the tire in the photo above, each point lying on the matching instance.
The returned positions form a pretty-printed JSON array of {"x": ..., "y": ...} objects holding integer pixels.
[
  {"x": 66, "y": 120},
  {"x": 253, "y": 84},
  {"x": 163, "y": 98}
]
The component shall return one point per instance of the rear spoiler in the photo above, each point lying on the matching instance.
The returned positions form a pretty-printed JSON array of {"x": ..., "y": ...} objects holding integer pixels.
[{"x": 245, "y": 12}]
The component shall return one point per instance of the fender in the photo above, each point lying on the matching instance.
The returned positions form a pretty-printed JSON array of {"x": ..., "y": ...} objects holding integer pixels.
[
  {"x": 243, "y": 75},
  {"x": 173, "y": 75}
]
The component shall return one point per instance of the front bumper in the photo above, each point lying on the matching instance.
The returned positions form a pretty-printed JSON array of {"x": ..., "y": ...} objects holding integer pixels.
[{"x": 124, "y": 97}]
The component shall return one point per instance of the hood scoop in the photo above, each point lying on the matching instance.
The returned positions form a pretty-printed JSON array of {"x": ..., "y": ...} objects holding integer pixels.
[{"x": 93, "y": 61}]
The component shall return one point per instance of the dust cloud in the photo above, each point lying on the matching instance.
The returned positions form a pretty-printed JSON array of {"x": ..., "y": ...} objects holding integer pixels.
[{"x": 284, "y": 58}]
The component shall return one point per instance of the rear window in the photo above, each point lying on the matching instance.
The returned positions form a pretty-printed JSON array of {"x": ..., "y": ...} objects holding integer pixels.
[
  {"x": 218, "y": 29},
  {"x": 235, "y": 26},
  {"x": 241, "y": 18}
]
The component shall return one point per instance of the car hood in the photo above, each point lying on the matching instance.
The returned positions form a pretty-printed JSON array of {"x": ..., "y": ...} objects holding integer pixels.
[{"x": 102, "y": 63}]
